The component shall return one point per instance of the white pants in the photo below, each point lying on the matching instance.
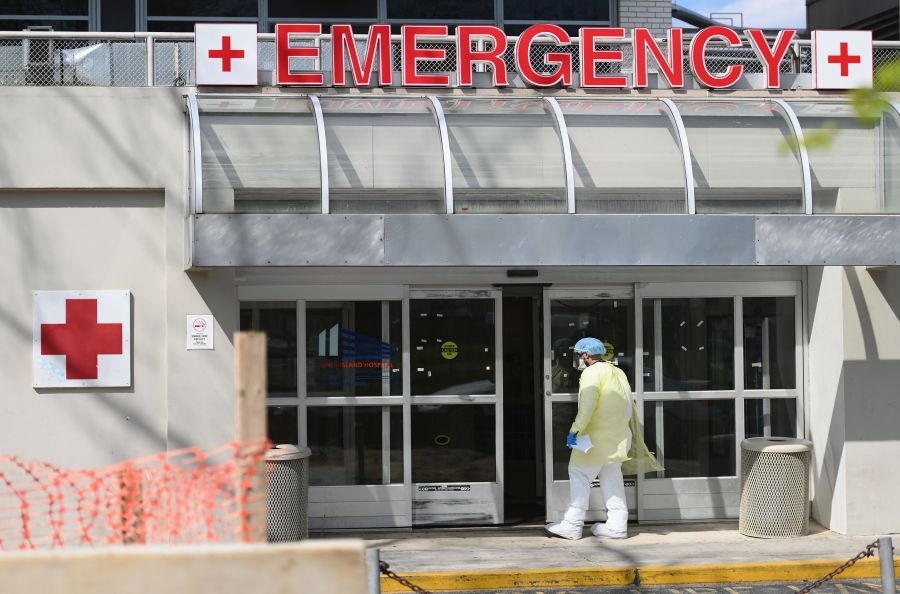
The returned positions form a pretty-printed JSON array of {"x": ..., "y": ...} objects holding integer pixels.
[{"x": 611, "y": 484}]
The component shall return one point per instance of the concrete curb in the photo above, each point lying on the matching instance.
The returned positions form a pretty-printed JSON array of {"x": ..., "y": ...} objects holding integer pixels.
[{"x": 782, "y": 571}]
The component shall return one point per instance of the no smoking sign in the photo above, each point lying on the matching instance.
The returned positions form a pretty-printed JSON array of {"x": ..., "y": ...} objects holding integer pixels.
[{"x": 199, "y": 332}]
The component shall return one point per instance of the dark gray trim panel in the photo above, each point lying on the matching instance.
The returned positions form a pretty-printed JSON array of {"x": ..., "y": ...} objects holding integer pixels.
[
  {"x": 288, "y": 240},
  {"x": 829, "y": 240},
  {"x": 543, "y": 240}
]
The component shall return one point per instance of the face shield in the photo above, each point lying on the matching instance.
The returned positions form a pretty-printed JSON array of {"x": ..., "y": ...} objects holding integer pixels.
[{"x": 578, "y": 362}]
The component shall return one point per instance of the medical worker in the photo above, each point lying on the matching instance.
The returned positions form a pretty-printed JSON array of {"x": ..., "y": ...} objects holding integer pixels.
[{"x": 605, "y": 409}]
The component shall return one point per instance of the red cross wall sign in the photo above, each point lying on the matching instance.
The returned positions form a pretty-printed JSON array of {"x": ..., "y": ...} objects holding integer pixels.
[
  {"x": 226, "y": 54},
  {"x": 82, "y": 339},
  {"x": 842, "y": 59}
]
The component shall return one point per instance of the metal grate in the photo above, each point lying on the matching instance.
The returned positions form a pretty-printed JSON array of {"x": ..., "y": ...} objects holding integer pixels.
[
  {"x": 121, "y": 59},
  {"x": 774, "y": 493},
  {"x": 287, "y": 497}
]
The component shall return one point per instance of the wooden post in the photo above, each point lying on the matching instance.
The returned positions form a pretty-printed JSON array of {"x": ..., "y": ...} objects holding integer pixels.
[{"x": 250, "y": 386}]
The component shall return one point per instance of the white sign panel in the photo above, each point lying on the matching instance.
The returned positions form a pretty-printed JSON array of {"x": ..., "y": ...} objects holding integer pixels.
[
  {"x": 226, "y": 54},
  {"x": 842, "y": 59},
  {"x": 199, "y": 332},
  {"x": 82, "y": 339}
]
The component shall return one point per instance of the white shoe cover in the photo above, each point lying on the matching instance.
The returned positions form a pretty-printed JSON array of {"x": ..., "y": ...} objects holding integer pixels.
[
  {"x": 565, "y": 529},
  {"x": 600, "y": 530}
]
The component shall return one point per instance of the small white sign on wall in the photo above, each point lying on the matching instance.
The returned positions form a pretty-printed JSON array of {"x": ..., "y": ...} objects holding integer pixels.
[{"x": 200, "y": 332}]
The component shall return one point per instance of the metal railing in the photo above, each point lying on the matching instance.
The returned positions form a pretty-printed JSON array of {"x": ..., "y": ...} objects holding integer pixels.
[{"x": 32, "y": 58}]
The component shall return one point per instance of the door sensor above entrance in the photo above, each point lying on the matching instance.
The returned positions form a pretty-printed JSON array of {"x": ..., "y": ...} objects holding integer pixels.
[{"x": 522, "y": 273}]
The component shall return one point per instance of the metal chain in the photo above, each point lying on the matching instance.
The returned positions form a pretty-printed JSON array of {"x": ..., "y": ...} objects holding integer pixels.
[
  {"x": 385, "y": 569},
  {"x": 869, "y": 551}
]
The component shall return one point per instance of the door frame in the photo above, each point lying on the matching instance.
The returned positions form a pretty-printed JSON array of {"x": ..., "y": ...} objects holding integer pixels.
[
  {"x": 556, "y": 491},
  {"x": 483, "y": 496}
]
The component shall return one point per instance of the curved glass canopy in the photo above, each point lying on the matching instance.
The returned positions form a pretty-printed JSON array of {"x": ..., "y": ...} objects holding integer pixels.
[
  {"x": 259, "y": 155},
  {"x": 384, "y": 155},
  {"x": 626, "y": 157},
  {"x": 506, "y": 156},
  {"x": 855, "y": 164},
  {"x": 742, "y": 157},
  {"x": 588, "y": 155}
]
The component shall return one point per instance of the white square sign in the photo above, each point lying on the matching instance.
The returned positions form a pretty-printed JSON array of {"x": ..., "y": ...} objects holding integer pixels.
[
  {"x": 82, "y": 339},
  {"x": 842, "y": 59},
  {"x": 200, "y": 332},
  {"x": 225, "y": 54}
]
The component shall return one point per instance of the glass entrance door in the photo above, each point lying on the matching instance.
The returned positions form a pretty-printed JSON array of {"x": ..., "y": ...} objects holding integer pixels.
[
  {"x": 720, "y": 363},
  {"x": 607, "y": 314},
  {"x": 456, "y": 397}
]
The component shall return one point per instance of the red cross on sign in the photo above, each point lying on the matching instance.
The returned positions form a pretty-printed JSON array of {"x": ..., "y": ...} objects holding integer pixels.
[
  {"x": 226, "y": 54},
  {"x": 81, "y": 339},
  {"x": 844, "y": 58}
]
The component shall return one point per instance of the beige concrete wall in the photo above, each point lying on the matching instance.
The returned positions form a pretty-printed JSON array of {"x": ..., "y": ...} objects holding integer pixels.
[
  {"x": 93, "y": 195},
  {"x": 872, "y": 398},
  {"x": 320, "y": 567},
  {"x": 825, "y": 398},
  {"x": 854, "y": 403}
]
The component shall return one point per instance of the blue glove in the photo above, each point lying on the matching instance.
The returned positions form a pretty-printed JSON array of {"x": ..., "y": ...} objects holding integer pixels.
[{"x": 570, "y": 440}]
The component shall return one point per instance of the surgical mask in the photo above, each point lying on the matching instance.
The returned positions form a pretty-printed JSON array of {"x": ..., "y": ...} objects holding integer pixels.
[{"x": 580, "y": 365}]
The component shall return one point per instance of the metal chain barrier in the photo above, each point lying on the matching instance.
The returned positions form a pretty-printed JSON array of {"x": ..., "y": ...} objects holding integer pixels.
[
  {"x": 385, "y": 569},
  {"x": 869, "y": 551}
]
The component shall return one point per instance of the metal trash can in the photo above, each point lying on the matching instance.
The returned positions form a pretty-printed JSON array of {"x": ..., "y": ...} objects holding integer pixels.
[
  {"x": 287, "y": 493},
  {"x": 774, "y": 487}
]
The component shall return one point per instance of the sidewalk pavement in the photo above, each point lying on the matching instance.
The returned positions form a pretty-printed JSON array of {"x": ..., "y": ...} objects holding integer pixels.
[{"x": 514, "y": 557}]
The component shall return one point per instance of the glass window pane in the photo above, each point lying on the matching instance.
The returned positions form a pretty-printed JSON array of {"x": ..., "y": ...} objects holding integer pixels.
[
  {"x": 80, "y": 25},
  {"x": 334, "y": 9},
  {"x": 892, "y": 163},
  {"x": 626, "y": 157},
  {"x": 465, "y": 9},
  {"x": 846, "y": 171},
  {"x": 453, "y": 443},
  {"x": 507, "y": 156},
  {"x": 650, "y": 376},
  {"x": 769, "y": 343},
  {"x": 452, "y": 346},
  {"x": 279, "y": 321},
  {"x": 731, "y": 143},
  {"x": 259, "y": 155},
  {"x": 282, "y": 424},
  {"x": 555, "y": 10},
  {"x": 698, "y": 437},
  {"x": 348, "y": 446},
  {"x": 353, "y": 349},
  {"x": 563, "y": 415},
  {"x": 782, "y": 417},
  {"x": 202, "y": 8},
  {"x": 610, "y": 320},
  {"x": 44, "y": 7},
  {"x": 697, "y": 337},
  {"x": 384, "y": 156}
]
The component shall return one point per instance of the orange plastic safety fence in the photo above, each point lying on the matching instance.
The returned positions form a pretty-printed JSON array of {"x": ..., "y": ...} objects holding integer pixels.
[{"x": 179, "y": 497}]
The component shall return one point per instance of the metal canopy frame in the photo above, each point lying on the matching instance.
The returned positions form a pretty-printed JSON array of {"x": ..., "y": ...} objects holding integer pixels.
[{"x": 553, "y": 109}]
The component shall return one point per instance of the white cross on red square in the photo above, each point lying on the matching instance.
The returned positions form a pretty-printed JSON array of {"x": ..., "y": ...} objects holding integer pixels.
[
  {"x": 226, "y": 54},
  {"x": 842, "y": 59},
  {"x": 82, "y": 339}
]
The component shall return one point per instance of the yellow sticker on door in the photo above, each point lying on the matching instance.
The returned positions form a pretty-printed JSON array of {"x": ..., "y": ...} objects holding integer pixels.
[
  {"x": 609, "y": 351},
  {"x": 449, "y": 350}
]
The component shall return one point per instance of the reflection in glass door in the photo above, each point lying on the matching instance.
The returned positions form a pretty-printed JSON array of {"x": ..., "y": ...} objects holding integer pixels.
[
  {"x": 571, "y": 315},
  {"x": 719, "y": 363},
  {"x": 456, "y": 425}
]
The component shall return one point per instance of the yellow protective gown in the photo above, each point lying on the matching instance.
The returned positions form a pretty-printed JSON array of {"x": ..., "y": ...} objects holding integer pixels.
[{"x": 607, "y": 412}]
